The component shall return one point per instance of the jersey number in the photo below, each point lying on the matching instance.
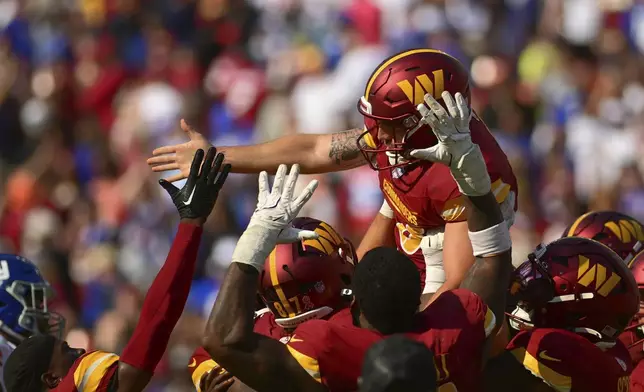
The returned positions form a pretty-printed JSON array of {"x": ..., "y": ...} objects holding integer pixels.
[{"x": 282, "y": 312}]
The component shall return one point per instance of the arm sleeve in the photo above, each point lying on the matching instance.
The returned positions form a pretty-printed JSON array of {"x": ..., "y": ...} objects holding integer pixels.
[
  {"x": 200, "y": 364},
  {"x": 164, "y": 302}
]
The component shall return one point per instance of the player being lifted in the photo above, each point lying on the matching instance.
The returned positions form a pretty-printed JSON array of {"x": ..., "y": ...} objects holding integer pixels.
[
  {"x": 44, "y": 362},
  {"x": 322, "y": 355},
  {"x": 423, "y": 213}
]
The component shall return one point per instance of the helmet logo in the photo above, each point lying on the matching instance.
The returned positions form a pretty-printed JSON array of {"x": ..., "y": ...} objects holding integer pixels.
[
  {"x": 328, "y": 241},
  {"x": 423, "y": 85},
  {"x": 597, "y": 273},
  {"x": 626, "y": 230}
]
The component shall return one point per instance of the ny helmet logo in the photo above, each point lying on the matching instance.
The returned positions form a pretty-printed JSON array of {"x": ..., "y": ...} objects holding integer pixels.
[{"x": 423, "y": 85}]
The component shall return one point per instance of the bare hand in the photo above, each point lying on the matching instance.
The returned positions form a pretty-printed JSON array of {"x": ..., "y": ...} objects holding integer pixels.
[
  {"x": 216, "y": 380},
  {"x": 179, "y": 156}
]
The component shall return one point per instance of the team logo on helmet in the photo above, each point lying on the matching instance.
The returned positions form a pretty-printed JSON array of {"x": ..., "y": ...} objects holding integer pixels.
[
  {"x": 586, "y": 275},
  {"x": 423, "y": 85}
]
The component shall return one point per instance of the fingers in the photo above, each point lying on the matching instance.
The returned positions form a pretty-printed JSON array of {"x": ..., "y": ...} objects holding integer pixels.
[
  {"x": 450, "y": 104},
  {"x": 291, "y": 235},
  {"x": 436, "y": 107},
  {"x": 166, "y": 167},
  {"x": 221, "y": 179},
  {"x": 305, "y": 195},
  {"x": 171, "y": 189},
  {"x": 164, "y": 150},
  {"x": 157, "y": 160},
  {"x": 463, "y": 107},
  {"x": 187, "y": 128},
  {"x": 217, "y": 379},
  {"x": 307, "y": 235},
  {"x": 287, "y": 193},
  {"x": 427, "y": 154},
  {"x": 194, "y": 170},
  {"x": 216, "y": 166},
  {"x": 428, "y": 116},
  {"x": 278, "y": 183},
  {"x": 207, "y": 165},
  {"x": 263, "y": 192}
]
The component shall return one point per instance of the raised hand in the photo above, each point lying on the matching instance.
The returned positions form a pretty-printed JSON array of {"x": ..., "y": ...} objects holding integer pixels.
[
  {"x": 179, "y": 156},
  {"x": 198, "y": 196},
  {"x": 455, "y": 147},
  {"x": 276, "y": 207},
  {"x": 271, "y": 221}
]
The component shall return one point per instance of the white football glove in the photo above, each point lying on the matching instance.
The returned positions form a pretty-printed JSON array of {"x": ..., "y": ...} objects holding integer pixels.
[
  {"x": 271, "y": 221},
  {"x": 455, "y": 147}
]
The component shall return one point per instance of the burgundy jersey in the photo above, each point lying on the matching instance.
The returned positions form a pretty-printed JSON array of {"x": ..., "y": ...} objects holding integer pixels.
[
  {"x": 94, "y": 371},
  {"x": 201, "y": 363},
  {"x": 425, "y": 197},
  {"x": 637, "y": 378},
  {"x": 455, "y": 327},
  {"x": 569, "y": 362}
]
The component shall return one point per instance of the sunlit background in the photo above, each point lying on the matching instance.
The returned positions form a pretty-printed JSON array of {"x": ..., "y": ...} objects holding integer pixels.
[{"x": 89, "y": 87}]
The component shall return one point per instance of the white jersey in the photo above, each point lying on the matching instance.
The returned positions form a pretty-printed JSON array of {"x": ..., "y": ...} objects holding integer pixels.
[{"x": 6, "y": 348}]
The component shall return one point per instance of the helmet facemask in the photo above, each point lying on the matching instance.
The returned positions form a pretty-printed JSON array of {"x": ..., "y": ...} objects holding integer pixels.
[
  {"x": 398, "y": 151},
  {"x": 35, "y": 317},
  {"x": 534, "y": 288}
]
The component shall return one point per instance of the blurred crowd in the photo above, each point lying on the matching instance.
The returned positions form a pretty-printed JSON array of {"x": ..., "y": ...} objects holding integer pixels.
[{"x": 89, "y": 87}]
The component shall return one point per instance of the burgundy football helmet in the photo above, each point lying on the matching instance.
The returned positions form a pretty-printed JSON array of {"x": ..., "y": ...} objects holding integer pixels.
[
  {"x": 394, "y": 90},
  {"x": 633, "y": 336},
  {"x": 576, "y": 284},
  {"x": 306, "y": 280},
  {"x": 618, "y": 231}
]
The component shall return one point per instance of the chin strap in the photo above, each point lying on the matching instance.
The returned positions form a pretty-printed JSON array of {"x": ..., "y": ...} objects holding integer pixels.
[{"x": 293, "y": 322}]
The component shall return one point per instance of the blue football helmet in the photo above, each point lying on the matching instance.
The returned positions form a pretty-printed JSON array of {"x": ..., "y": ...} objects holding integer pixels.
[{"x": 23, "y": 301}]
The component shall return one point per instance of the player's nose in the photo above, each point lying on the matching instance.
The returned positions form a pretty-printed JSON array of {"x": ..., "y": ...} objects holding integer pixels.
[{"x": 384, "y": 135}]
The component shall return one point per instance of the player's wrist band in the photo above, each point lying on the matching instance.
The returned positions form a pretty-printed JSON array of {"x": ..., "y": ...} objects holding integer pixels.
[
  {"x": 491, "y": 241},
  {"x": 254, "y": 246}
]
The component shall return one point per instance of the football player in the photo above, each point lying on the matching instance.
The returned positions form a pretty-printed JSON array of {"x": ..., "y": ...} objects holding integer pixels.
[
  {"x": 386, "y": 288},
  {"x": 575, "y": 296},
  {"x": 618, "y": 231},
  {"x": 302, "y": 281},
  {"x": 44, "y": 362},
  {"x": 633, "y": 336},
  {"x": 423, "y": 212},
  {"x": 24, "y": 299}
]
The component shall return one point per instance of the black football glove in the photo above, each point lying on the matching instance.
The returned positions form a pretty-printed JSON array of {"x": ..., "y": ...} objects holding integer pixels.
[{"x": 197, "y": 198}]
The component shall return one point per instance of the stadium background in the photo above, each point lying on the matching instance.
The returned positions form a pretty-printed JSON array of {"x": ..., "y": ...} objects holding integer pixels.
[{"x": 89, "y": 87}]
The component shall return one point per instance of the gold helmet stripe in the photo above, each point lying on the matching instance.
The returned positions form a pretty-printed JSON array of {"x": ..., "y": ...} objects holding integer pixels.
[
  {"x": 391, "y": 60},
  {"x": 576, "y": 224}
]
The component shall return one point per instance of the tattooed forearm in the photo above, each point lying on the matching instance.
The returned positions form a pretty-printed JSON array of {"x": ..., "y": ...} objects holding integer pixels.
[{"x": 344, "y": 146}]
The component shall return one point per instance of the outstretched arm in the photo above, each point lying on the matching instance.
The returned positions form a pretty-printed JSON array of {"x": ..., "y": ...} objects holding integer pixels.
[
  {"x": 315, "y": 153},
  {"x": 167, "y": 296},
  {"x": 257, "y": 361}
]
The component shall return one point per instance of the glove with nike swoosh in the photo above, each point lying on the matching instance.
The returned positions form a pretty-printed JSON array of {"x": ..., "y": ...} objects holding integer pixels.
[
  {"x": 455, "y": 147},
  {"x": 198, "y": 196},
  {"x": 271, "y": 221}
]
